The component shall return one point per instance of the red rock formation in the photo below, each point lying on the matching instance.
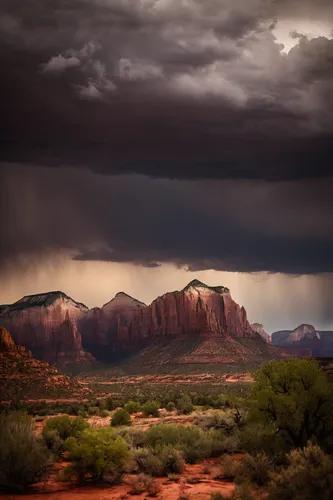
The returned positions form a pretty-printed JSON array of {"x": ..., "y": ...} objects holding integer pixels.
[
  {"x": 259, "y": 328},
  {"x": 6, "y": 341},
  {"x": 52, "y": 324},
  {"x": 197, "y": 309},
  {"x": 48, "y": 325},
  {"x": 109, "y": 325}
]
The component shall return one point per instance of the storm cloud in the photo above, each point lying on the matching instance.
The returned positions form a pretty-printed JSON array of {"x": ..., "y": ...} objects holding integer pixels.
[
  {"x": 173, "y": 89},
  {"x": 245, "y": 226}
]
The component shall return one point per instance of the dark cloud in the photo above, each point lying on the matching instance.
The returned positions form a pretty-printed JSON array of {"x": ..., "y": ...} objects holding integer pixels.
[
  {"x": 245, "y": 226},
  {"x": 166, "y": 89}
]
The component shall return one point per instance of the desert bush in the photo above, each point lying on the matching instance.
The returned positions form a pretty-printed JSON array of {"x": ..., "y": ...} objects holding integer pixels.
[
  {"x": 231, "y": 467},
  {"x": 154, "y": 488},
  {"x": 184, "y": 405},
  {"x": 53, "y": 441},
  {"x": 216, "y": 419},
  {"x": 144, "y": 460},
  {"x": 143, "y": 483},
  {"x": 150, "y": 409},
  {"x": 23, "y": 456},
  {"x": 256, "y": 468},
  {"x": 65, "y": 426},
  {"x": 121, "y": 417},
  {"x": 258, "y": 437},
  {"x": 171, "y": 459},
  {"x": 134, "y": 437},
  {"x": 109, "y": 404},
  {"x": 308, "y": 475},
  {"x": 132, "y": 407},
  {"x": 93, "y": 410},
  {"x": 103, "y": 413},
  {"x": 175, "y": 434},
  {"x": 74, "y": 409},
  {"x": 170, "y": 406},
  {"x": 223, "y": 444},
  {"x": 192, "y": 442},
  {"x": 96, "y": 453},
  {"x": 166, "y": 460}
]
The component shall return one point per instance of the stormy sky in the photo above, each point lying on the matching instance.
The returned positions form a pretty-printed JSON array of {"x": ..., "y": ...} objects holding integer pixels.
[{"x": 147, "y": 142}]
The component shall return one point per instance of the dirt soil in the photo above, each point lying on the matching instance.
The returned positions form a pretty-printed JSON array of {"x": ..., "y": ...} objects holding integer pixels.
[
  {"x": 195, "y": 483},
  {"x": 214, "y": 378}
]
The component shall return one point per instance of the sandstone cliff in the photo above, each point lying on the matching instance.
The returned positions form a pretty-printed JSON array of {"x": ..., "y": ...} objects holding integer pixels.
[
  {"x": 259, "y": 328},
  {"x": 24, "y": 377},
  {"x": 198, "y": 310},
  {"x": 52, "y": 326},
  {"x": 108, "y": 326},
  {"x": 48, "y": 324}
]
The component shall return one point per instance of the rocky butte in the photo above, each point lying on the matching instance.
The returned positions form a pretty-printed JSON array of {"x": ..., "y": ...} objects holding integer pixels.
[
  {"x": 48, "y": 324},
  {"x": 202, "y": 322}
]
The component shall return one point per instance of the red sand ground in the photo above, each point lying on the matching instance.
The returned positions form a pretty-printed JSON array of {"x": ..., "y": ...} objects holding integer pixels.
[{"x": 195, "y": 484}]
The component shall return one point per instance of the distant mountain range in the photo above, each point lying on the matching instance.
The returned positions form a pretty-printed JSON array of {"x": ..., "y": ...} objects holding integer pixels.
[
  {"x": 320, "y": 343},
  {"x": 199, "y": 324}
]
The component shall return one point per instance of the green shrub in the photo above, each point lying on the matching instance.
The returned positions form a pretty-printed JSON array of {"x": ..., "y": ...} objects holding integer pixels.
[
  {"x": 75, "y": 408},
  {"x": 172, "y": 460},
  {"x": 65, "y": 426},
  {"x": 231, "y": 468},
  {"x": 217, "y": 419},
  {"x": 53, "y": 441},
  {"x": 93, "y": 410},
  {"x": 134, "y": 437},
  {"x": 96, "y": 453},
  {"x": 23, "y": 456},
  {"x": 192, "y": 442},
  {"x": 170, "y": 406},
  {"x": 184, "y": 405},
  {"x": 260, "y": 436},
  {"x": 308, "y": 475},
  {"x": 257, "y": 468},
  {"x": 150, "y": 409},
  {"x": 132, "y": 407},
  {"x": 109, "y": 404},
  {"x": 223, "y": 444},
  {"x": 166, "y": 460},
  {"x": 143, "y": 483},
  {"x": 103, "y": 413},
  {"x": 144, "y": 460},
  {"x": 121, "y": 417}
]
